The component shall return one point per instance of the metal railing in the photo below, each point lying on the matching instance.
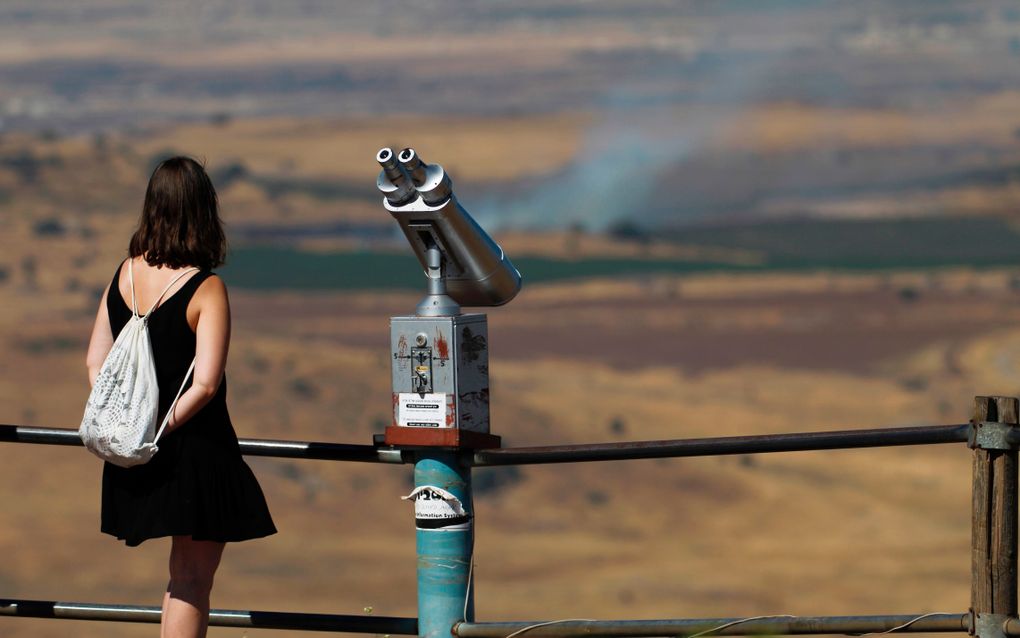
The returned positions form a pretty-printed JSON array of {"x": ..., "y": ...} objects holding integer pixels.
[{"x": 993, "y": 436}]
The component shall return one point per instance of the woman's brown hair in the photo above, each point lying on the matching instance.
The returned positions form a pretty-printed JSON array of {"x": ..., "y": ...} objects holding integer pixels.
[{"x": 180, "y": 223}]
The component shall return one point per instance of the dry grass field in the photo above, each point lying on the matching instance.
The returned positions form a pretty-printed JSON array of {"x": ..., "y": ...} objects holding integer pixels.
[{"x": 881, "y": 531}]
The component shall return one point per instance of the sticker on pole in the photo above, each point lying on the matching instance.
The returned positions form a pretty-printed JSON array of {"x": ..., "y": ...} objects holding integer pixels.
[
  {"x": 422, "y": 411},
  {"x": 437, "y": 509}
]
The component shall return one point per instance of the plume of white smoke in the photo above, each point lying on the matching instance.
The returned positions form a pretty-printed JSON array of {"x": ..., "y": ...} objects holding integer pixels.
[{"x": 620, "y": 170}]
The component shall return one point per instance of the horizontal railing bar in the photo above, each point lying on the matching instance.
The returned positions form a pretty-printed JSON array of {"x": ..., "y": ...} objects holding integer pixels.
[
  {"x": 765, "y": 626},
  {"x": 718, "y": 446},
  {"x": 45, "y": 436},
  {"x": 714, "y": 446},
  {"x": 217, "y": 617},
  {"x": 320, "y": 451},
  {"x": 249, "y": 447}
]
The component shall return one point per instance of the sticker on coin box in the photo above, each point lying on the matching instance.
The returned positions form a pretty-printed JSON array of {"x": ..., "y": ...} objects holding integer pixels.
[{"x": 422, "y": 411}]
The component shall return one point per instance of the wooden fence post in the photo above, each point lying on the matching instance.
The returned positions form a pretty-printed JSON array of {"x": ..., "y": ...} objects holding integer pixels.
[{"x": 994, "y": 511}]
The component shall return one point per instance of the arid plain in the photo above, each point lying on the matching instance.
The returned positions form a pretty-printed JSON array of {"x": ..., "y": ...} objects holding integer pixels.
[
  {"x": 566, "y": 126},
  {"x": 653, "y": 357}
]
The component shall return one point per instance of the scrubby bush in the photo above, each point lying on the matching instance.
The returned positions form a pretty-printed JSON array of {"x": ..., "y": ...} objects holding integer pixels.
[
  {"x": 24, "y": 164},
  {"x": 51, "y": 227},
  {"x": 226, "y": 175},
  {"x": 303, "y": 388},
  {"x": 626, "y": 229},
  {"x": 492, "y": 480}
]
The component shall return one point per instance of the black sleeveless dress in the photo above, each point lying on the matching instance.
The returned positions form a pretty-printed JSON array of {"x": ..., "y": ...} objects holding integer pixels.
[{"x": 198, "y": 484}]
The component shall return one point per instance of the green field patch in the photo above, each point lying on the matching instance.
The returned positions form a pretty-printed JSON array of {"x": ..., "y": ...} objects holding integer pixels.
[
  {"x": 787, "y": 246},
  {"x": 873, "y": 243},
  {"x": 276, "y": 268}
]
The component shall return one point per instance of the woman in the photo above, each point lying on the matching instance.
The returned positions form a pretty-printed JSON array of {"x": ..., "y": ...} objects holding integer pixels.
[{"x": 197, "y": 489}]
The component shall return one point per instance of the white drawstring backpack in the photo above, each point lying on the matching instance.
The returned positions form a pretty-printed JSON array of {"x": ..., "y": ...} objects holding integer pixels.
[{"x": 120, "y": 416}]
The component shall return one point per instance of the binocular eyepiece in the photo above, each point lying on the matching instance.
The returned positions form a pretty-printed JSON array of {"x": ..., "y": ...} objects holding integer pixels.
[
  {"x": 394, "y": 182},
  {"x": 459, "y": 258},
  {"x": 405, "y": 177}
]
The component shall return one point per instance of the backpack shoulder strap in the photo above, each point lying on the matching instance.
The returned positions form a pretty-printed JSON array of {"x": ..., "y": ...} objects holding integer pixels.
[
  {"x": 173, "y": 406},
  {"x": 155, "y": 304},
  {"x": 131, "y": 282}
]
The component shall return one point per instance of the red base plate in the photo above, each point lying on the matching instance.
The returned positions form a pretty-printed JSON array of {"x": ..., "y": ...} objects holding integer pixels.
[{"x": 440, "y": 437}]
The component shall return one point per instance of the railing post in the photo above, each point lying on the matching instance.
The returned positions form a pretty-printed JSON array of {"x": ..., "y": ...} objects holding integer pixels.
[
  {"x": 994, "y": 522},
  {"x": 444, "y": 545}
]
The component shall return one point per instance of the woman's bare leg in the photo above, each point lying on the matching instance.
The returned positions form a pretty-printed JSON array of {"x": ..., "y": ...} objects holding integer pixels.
[
  {"x": 166, "y": 601},
  {"x": 192, "y": 568}
]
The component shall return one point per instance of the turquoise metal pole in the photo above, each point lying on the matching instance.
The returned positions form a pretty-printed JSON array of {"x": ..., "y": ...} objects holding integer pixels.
[{"x": 444, "y": 553}]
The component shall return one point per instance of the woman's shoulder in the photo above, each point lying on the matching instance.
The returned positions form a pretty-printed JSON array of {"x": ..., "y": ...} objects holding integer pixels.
[
  {"x": 209, "y": 288},
  {"x": 208, "y": 299},
  {"x": 208, "y": 280}
]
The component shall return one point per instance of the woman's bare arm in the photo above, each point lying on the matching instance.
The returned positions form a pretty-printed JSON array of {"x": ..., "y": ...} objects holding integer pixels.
[
  {"x": 212, "y": 335},
  {"x": 101, "y": 340}
]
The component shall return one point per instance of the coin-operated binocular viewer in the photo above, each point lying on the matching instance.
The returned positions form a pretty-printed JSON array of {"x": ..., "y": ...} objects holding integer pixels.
[{"x": 440, "y": 357}]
